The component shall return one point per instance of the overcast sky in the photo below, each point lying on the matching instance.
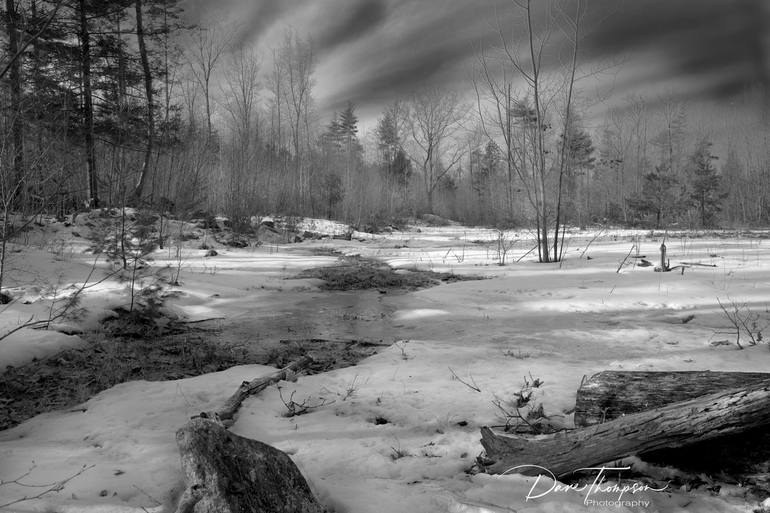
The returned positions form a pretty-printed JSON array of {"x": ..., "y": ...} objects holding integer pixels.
[{"x": 374, "y": 51}]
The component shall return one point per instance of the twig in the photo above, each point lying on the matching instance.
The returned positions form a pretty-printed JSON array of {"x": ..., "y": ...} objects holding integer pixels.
[
  {"x": 156, "y": 501},
  {"x": 69, "y": 302},
  {"x": 626, "y": 258},
  {"x": 698, "y": 264},
  {"x": 27, "y": 324},
  {"x": 402, "y": 346},
  {"x": 474, "y": 386},
  {"x": 591, "y": 242},
  {"x": 525, "y": 254},
  {"x": 205, "y": 320},
  {"x": 49, "y": 487},
  {"x": 509, "y": 416},
  {"x": 741, "y": 317},
  {"x": 733, "y": 320},
  {"x": 294, "y": 408}
]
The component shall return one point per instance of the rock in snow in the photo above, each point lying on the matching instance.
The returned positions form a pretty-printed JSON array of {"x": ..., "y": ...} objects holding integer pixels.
[{"x": 227, "y": 473}]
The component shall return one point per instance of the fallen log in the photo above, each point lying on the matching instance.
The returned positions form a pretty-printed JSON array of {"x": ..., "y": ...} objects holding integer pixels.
[
  {"x": 226, "y": 473},
  {"x": 675, "y": 425},
  {"x": 247, "y": 388},
  {"x": 611, "y": 394}
]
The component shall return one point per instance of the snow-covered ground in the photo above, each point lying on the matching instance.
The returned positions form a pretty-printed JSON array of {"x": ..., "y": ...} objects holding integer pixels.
[{"x": 398, "y": 430}]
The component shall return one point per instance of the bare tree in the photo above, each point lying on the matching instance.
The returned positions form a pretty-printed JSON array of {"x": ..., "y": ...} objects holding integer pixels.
[
  {"x": 523, "y": 119},
  {"x": 616, "y": 141},
  {"x": 207, "y": 47},
  {"x": 189, "y": 91},
  {"x": 240, "y": 93},
  {"x": 433, "y": 118},
  {"x": 292, "y": 87},
  {"x": 275, "y": 83},
  {"x": 572, "y": 33},
  {"x": 497, "y": 111}
]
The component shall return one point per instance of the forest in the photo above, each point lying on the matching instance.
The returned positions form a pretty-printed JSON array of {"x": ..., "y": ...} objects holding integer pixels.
[{"x": 127, "y": 103}]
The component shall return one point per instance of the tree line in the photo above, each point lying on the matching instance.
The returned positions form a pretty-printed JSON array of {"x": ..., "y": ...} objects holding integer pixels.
[{"x": 120, "y": 102}]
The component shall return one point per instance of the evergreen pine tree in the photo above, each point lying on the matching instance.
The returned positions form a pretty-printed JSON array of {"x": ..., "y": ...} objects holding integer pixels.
[
  {"x": 705, "y": 187},
  {"x": 659, "y": 196}
]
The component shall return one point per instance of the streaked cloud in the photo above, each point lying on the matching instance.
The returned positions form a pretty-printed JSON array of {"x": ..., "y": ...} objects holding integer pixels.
[{"x": 374, "y": 51}]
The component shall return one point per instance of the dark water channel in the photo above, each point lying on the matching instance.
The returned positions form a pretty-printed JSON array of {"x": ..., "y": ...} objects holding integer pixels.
[{"x": 339, "y": 326}]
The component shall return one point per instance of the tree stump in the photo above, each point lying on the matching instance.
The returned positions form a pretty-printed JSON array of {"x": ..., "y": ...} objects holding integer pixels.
[{"x": 226, "y": 473}]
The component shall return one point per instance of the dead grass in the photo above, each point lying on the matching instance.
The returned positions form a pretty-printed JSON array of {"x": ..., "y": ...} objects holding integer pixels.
[
  {"x": 327, "y": 354},
  {"x": 358, "y": 273},
  {"x": 71, "y": 377}
]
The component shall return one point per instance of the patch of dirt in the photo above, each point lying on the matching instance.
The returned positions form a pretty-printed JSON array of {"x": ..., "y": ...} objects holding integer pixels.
[{"x": 358, "y": 273}]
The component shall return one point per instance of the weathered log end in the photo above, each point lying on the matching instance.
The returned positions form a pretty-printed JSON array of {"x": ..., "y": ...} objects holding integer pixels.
[
  {"x": 612, "y": 394},
  {"x": 226, "y": 473},
  {"x": 506, "y": 452}
]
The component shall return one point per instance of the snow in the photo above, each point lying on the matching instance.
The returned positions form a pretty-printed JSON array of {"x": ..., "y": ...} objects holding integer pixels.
[
  {"x": 397, "y": 431},
  {"x": 26, "y": 345}
]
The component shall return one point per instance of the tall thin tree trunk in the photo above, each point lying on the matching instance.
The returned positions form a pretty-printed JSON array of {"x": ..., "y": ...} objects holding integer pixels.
[
  {"x": 539, "y": 143},
  {"x": 137, "y": 195},
  {"x": 209, "y": 127},
  {"x": 508, "y": 143},
  {"x": 88, "y": 109},
  {"x": 566, "y": 135},
  {"x": 17, "y": 124},
  {"x": 4, "y": 243}
]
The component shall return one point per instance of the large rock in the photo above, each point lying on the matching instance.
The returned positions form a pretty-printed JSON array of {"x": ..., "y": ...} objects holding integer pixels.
[
  {"x": 228, "y": 238},
  {"x": 226, "y": 473},
  {"x": 434, "y": 220},
  {"x": 271, "y": 235}
]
